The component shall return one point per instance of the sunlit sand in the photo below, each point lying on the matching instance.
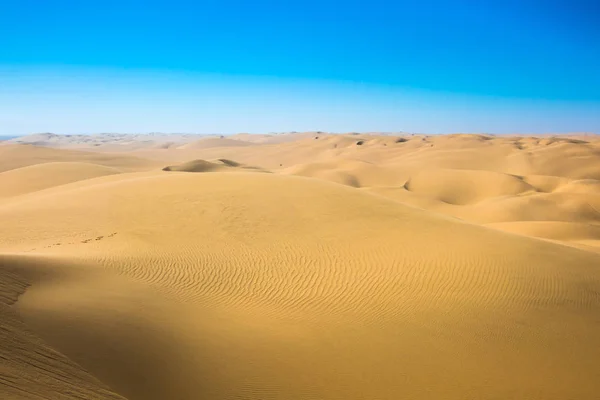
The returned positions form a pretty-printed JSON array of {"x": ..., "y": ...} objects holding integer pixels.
[{"x": 300, "y": 266}]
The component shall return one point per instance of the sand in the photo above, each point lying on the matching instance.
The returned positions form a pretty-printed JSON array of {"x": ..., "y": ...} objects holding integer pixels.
[{"x": 413, "y": 267}]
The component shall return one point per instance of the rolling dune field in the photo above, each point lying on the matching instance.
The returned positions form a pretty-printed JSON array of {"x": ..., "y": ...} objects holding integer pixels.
[{"x": 301, "y": 266}]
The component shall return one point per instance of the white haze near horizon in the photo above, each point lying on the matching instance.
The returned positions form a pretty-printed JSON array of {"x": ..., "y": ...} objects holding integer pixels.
[{"x": 85, "y": 101}]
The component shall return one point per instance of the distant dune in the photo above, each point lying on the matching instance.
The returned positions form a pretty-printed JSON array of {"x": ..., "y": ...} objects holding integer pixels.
[
  {"x": 206, "y": 143},
  {"x": 209, "y": 166},
  {"x": 363, "y": 267}
]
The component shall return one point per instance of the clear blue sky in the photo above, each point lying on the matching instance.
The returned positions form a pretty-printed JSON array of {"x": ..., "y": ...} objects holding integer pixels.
[{"x": 258, "y": 66}]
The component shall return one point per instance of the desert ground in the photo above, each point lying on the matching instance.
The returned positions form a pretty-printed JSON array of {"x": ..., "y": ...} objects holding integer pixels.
[{"x": 300, "y": 266}]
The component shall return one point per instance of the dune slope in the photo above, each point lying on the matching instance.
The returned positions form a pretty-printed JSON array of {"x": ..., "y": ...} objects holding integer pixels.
[
  {"x": 42, "y": 176},
  {"x": 30, "y": 368},
  {"x": 14, "y": 156},
  {"x": 265, "y": 286}
]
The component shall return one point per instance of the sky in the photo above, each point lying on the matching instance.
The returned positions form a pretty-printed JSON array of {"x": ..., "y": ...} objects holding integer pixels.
[{"x": 223, "y": 66}]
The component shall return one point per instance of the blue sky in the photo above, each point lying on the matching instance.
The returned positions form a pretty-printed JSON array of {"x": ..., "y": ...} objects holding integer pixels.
[{"x": 261, "y": 66}]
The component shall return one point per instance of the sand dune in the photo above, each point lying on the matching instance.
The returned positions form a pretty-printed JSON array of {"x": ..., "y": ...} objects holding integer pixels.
[
  {"x": 346, "y": 274},
  {"x": 41, "y": 176},
  {"x": 17, "y": 156},
  {"x": 583, "y": 186},
  {"x": 462, "y": 187},
  {"x": 221, "y": 165},
  {"x": 581, "y": 235},
  {"x": 207, "y": 143},
  {"x": 105, "y": 142},
  {"x": 354, "y": 173}
]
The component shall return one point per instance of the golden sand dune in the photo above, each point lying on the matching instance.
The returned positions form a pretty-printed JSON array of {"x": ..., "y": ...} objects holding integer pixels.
[
  {"x": 354, "y": 173},
  {"x": 41, "y": 176},
  {"x": 222, "y": 164},
  {"x": 462, "y": 187},
  {"x": 17, "y": 156},
  {"x": 581, "y": 235},
  {"x": 583, "y": 186},
  {"x": 229, "y": 285}
]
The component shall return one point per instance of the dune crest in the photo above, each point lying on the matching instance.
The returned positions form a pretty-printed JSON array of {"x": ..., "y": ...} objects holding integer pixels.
[{"x": 210, "y": 166}]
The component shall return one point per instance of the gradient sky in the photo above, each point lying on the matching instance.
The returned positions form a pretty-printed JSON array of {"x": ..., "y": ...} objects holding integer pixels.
[{"x": 262, "y": 66}]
